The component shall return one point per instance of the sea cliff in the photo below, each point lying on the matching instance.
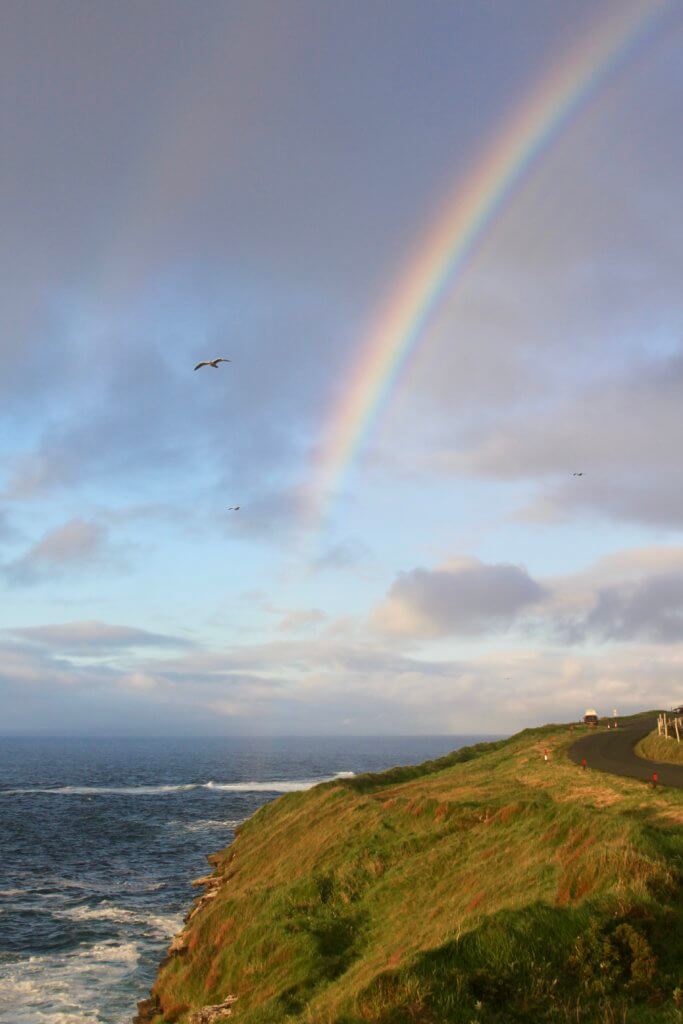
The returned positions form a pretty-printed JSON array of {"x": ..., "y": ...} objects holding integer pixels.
[{"x": 491, "y": 885}]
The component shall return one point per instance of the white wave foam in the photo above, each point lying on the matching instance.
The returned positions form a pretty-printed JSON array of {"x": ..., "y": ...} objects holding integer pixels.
[
  {"x": 273, "y": 786},
  {"x": 290, "y": 786},
  {"x": 165, "y": 924},
  {"x": 207, "y": 824},
  {"x": 276, "y": 786},
  {"x": 104, "y": 790},
  {"x": 66, "y": 988}
]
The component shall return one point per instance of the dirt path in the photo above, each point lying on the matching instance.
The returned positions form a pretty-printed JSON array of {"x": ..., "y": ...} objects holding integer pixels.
[{"x": 613, "y": 752}]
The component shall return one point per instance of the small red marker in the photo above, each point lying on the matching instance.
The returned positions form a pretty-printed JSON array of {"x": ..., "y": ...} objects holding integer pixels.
[
  {"x": 583, "y": 763},
  {"x": 655, "y": 780}
]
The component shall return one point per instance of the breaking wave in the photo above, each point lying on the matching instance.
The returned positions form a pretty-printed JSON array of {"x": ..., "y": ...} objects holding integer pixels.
[
  {"x": 165, "y": 924},
  {"x": 64, "y": 989},
  {"x": 274, "y": 786},
  {"x": 208, "y": 824}
]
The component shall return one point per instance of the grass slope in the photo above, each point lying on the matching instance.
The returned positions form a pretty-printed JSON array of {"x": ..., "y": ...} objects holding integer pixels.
[
  {"x": 484, "y": 887},
  {"x": 658, "y": 748}
]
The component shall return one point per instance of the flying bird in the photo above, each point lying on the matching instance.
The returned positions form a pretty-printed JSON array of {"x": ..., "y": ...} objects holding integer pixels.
[
  {"x": 234, "y": 508},
  {"x": 213, "y": 362},
  {"x": 577, "y": 474}
]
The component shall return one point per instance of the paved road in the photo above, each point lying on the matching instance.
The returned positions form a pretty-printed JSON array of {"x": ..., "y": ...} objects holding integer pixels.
[{"x": 612, "y": 751}]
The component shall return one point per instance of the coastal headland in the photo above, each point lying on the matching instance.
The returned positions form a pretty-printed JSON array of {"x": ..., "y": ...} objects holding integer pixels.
[{"x": 501, "y": 883}]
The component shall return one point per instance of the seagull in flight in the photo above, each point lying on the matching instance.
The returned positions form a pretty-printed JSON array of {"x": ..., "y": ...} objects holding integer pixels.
[
  {"x": 212, "y": 362},
  {"x": 234, "y": 508},
  {"x": 577, "y": 474}
]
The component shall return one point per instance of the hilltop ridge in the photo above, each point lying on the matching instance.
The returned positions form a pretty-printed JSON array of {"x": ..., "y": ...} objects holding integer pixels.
[{"x": 487, "y": 886}]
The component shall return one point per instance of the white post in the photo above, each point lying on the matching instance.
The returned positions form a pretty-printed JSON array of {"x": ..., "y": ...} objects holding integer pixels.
[
  {"x": 666, "y": 726},
  {"x": 678, "y": 737}
]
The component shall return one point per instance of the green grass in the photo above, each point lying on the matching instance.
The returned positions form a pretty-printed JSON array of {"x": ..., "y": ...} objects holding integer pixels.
[
  {"x": 658, "y": 748},
  {"x": 485, "y": 886}
]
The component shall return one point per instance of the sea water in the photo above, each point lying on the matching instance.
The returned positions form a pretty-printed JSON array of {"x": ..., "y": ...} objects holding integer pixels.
[{"x": 101, "y": 838}]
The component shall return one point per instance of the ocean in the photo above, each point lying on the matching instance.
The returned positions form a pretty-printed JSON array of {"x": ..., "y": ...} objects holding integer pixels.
[{"x": 101, "y": 838}]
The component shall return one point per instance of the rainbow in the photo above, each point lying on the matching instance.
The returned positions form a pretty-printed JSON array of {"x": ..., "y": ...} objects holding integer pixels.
[{"x": 444, "y": 250}]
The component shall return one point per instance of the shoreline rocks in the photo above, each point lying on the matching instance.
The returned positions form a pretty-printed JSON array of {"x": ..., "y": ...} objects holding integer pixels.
[
  {"x": 213, "y": 1014},
  {"x": 150, "y": 1008}
]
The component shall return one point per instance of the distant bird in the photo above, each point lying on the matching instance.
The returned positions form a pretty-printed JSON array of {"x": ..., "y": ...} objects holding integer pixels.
[
  {"x": 213, "y": 362},
  {"x": 577, "y": 474},
  {"x": 234, "y": 508}
]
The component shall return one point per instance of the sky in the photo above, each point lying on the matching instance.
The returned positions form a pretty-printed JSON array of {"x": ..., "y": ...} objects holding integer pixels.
[{"x": 256, "y": 180}]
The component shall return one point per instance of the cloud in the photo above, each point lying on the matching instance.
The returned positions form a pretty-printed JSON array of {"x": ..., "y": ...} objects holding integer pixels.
[
  {"x": 649, "y": 610},
  {"x": 303, "y": 619},
  {"x": 621, "y": 432},
  {"x": 7, "y": 530},
  {"x": 464, "y": 598},
  {"x": 342, "y": 555},
  {"x": 326, "y": 686},
  {"x": 628, "y": 597},
  {"x": 267, "y": 514},
  {"x": 77, "y": 638},
  {"x": 76, "y": 544}
]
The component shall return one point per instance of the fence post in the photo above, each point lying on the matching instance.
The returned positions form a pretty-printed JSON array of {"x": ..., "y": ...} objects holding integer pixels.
[{"x": 678, "y": 738}]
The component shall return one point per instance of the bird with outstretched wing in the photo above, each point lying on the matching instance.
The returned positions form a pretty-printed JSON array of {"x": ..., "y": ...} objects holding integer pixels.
[{"x": 212, "y": 362}]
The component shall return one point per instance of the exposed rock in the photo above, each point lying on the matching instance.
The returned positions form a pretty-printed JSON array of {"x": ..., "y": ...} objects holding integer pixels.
[
  {"x": 201, "y": 902},
  {"x": 206, "y": 880},
  {"x": 178, "y": 944},
  {"x": 213, "y": 1014},
  {"x": 147, "y": 1010}
]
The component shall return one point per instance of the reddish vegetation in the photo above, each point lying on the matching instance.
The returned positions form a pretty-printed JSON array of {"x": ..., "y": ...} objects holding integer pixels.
[
  {"x": 569, "y": 856},
  {"x": 507, "y": 812},
  {"x": 174, "y": 1011},
  {"x": 415, "y": 808},
  {"x": 474, "y": 903}
]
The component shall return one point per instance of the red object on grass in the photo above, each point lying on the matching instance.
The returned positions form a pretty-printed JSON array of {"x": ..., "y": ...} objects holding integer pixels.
[{"x": 583, "y": 762}]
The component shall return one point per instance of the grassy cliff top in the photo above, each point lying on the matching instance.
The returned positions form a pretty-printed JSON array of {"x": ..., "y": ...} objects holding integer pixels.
[
  {"x": 486, "y": 886},
  {"x": 660, "y": 748}
]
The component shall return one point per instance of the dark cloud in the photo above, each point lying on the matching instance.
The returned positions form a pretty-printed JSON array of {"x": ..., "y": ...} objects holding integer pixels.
[
  {"x": 630, "y": 597},
  {"x": 172, "y": 189},
  {"x": 467, "y": 598},
  {"x": 623, "y": 434},
  {"x": 650, "y": 496},
  {"x": 93, "y": 638},
  {"x": 648, "y": 609}
]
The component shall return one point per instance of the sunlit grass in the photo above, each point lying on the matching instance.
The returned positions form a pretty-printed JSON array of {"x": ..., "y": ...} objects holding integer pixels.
[
  {"x": 660, "y": 748},
  {"x": 485, "y": 886}
]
